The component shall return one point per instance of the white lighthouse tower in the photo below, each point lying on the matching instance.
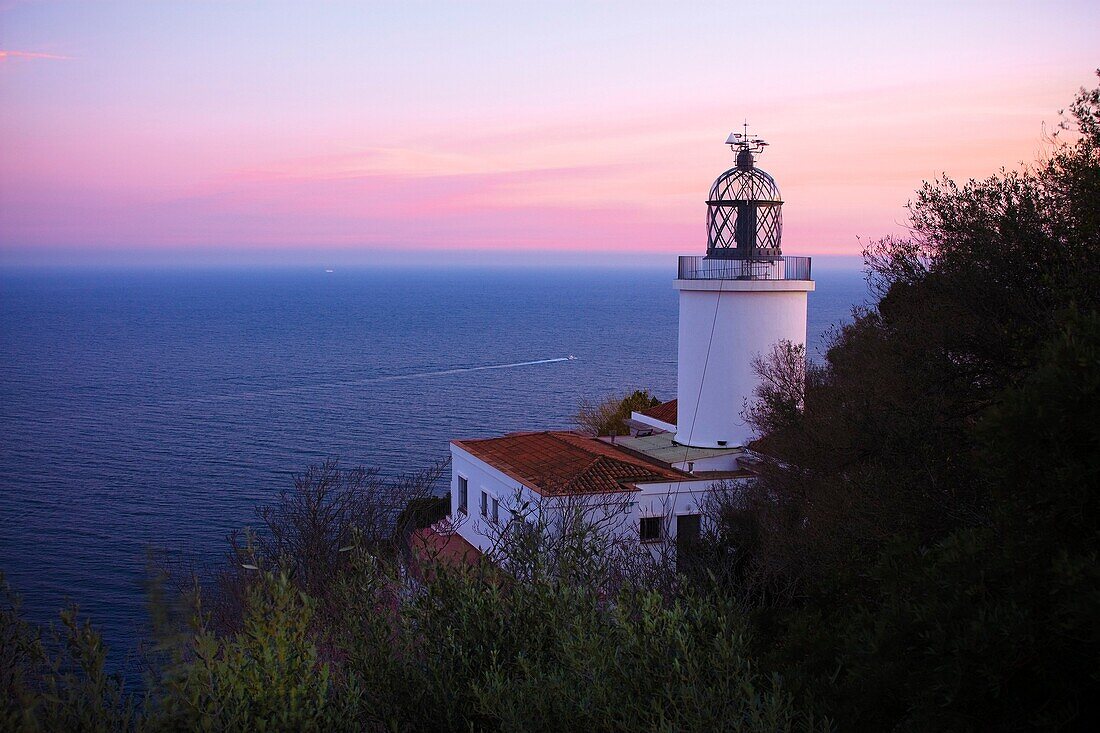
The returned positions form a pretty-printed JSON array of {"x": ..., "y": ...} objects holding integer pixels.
[{"x": 737, "y": 302}]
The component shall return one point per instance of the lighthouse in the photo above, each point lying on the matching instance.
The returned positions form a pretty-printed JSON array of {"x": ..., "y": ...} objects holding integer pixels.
[
  {"x": 736, "y": 302},
  {"x": 650, "y": 488}
]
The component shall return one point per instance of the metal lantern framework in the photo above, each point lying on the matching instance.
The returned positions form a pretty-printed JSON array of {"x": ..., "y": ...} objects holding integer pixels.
[{"x": 744, "y": 208}]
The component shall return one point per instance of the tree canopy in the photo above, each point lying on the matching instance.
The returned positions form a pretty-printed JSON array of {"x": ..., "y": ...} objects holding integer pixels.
[{"x": 928, "y": 528}]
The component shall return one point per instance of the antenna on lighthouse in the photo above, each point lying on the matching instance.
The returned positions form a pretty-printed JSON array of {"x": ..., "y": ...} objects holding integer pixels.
[{"x": 739, "y": 141}]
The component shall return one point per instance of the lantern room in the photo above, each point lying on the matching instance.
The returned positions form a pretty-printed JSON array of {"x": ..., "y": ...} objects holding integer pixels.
[{"x": 744, "y": 208}]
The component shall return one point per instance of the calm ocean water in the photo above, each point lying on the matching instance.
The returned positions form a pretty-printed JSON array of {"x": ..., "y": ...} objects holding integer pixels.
[{"x": 160, "y": 409}]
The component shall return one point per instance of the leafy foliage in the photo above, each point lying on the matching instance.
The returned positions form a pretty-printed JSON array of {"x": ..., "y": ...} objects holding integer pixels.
[
  {"x": 609, "y": 416},
  {"x": 56, "y": 679},
  {"x": 470, "y": 651},
  {"x": 268, "y": 676},
  {"x": 926, "y": 538}
]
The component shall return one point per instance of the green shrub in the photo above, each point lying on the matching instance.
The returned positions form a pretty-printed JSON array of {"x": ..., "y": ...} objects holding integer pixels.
[
  {"x": 268, "y": 676},
  {"x": 56, "y": 679}
]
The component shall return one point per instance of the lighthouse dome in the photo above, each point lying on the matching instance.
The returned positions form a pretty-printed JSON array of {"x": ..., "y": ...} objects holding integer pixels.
[{"x": 744, "y": 213}]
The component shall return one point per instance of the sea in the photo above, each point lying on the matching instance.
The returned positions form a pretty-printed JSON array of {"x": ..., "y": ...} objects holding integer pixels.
[{"x": 157, "y": 410}]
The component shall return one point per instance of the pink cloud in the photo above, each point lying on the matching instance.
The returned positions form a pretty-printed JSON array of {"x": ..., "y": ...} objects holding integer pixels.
[
  {"x": 385, "y": 210},
  {"x": 6, "y": 54},
  {"x": 846, "y": 165}
]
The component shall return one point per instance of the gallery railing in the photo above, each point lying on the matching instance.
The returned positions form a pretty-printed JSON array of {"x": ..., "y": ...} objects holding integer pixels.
[{"x": 694, "y": 267}]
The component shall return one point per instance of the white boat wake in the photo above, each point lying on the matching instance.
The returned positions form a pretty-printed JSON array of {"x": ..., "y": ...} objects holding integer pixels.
[
  {"x": 374, "y": 380},
  {"x": 462, "y": 369}
]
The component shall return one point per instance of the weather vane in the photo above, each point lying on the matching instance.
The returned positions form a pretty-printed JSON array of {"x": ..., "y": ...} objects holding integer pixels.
[{"x": 739, "y": 141}]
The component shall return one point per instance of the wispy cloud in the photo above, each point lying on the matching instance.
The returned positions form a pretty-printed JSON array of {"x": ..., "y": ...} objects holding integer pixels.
[{"x": 5, "y": 54}]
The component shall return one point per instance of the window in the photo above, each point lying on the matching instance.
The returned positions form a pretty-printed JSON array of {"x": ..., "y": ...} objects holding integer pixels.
[
  {"x": 484, "y": 504},
  {"x": 463, "y": 493},
  {"x": 496, "y": 510},
  {"x": 650, "y": 529}
]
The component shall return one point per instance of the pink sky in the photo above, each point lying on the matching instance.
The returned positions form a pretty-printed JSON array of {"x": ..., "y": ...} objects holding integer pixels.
[{"x": 203, "y": 130}]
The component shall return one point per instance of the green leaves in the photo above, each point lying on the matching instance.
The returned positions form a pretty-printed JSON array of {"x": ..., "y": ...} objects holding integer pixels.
[
  {"x": 55, "y": 679},
  {"x": 268, "y": 676}
]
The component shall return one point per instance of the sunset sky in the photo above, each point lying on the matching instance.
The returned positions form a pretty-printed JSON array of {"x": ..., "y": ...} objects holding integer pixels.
[{"x": 346, "y": 132}]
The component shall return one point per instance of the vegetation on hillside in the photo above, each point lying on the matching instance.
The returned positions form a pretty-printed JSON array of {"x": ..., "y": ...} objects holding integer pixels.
[
  {"x": 609, "y": 415},
  {"x": 921, "y": 553},
  {"x": 926, "y": 549}
]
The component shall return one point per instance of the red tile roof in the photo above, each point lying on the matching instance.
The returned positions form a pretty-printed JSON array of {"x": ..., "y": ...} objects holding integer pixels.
[
  {"x": 441, "y": 543},
  {"x": 555, "y": 463},
  {"x": 665, "y": 412}
]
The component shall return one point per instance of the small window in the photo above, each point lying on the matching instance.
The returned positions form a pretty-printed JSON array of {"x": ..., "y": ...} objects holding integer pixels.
[
  {"x": 484, "y": 504},
  {"x": 650, "y": 529},
  {"x": 496, "y": 510},
  {"x": 463, "y": 494}
]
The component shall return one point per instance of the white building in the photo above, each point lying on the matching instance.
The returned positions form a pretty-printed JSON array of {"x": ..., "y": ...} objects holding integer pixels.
[
  {"x": 637, "y": 479},
  {"x": 736, "y": 302}
]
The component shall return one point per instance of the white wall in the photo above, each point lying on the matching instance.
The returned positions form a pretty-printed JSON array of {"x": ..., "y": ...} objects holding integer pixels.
[
  {"x": 724, "y": 324},
  {"x": 673, "y": 498},
  {"x": 480, "y": 477}
]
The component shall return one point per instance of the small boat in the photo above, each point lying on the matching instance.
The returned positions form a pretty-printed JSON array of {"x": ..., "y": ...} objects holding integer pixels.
[{"x": 570, "y": 357}]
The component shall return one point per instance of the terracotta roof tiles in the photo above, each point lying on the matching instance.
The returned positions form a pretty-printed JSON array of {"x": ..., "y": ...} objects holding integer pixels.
[
  {"x": 665, "y": 412},
  {"x": 443, "y": 544},
  {"x": 556, "y": 463}
]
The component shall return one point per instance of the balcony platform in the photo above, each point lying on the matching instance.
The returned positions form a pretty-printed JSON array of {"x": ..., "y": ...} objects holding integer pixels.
[{"x": 693, "y": 267}]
